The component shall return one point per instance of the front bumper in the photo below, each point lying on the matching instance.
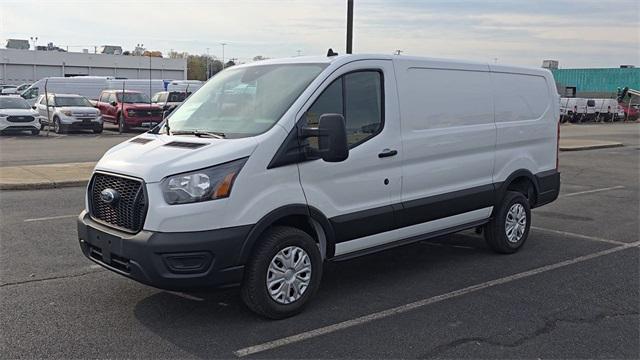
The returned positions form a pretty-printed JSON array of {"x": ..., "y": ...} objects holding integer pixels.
[
  {"x": 172, "y": 261},
  {"x": 18, "y": 126},
  {"x": 142, "y": 121}
]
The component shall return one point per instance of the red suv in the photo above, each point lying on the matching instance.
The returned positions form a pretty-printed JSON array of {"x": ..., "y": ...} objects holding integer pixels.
[{"x": 131, "y": 110}]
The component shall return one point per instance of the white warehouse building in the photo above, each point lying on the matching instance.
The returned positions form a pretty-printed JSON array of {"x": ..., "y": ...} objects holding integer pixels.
[{"x": 26, "y": 66}]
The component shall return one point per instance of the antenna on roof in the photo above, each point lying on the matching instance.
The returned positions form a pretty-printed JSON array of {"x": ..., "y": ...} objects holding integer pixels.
[{"x": 331, "y": 53}]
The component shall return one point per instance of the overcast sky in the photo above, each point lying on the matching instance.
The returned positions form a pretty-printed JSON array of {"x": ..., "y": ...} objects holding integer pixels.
[{"x": 578, "y": 33}]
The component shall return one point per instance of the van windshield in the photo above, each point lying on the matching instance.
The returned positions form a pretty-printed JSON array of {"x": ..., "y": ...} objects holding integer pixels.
[{"x": 246, "y": 101}]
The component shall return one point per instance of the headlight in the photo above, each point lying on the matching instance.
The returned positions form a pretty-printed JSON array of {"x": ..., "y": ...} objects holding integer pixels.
[
  {"x": 131, "y": 112},
  {"x": 202, "y": 185},
  {"x": 67, "y": 112},
  {"x": 3, "y": 115}
]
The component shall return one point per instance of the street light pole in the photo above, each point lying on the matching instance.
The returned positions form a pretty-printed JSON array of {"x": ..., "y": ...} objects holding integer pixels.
[
  {"x": 349, "y": 26},
  {"x": 208, "y": 67},
  {"x": 223, "y": 44}
]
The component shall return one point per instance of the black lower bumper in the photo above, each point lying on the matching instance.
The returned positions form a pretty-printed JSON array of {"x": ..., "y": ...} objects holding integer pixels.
[
  {"x": 172, "y": 261},
  {"x": 548, "y": 187},
  {"x": 83, "y": 125}
]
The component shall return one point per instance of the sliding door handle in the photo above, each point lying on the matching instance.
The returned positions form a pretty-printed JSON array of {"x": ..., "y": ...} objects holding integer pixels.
[{"x": 387, "y": 153}]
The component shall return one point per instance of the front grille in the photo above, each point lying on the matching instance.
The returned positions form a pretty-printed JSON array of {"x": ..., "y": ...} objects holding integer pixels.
[
  {"x": 20, "y": 119},
  {"x": 129, "y": 209},
  {"x": 143, "y": 113}
]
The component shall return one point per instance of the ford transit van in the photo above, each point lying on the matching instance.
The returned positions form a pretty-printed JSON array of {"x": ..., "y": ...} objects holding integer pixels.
[{"x": 273, "y": 168}]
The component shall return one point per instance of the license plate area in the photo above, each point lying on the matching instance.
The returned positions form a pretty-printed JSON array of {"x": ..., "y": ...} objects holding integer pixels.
[{"x": 105, "y": 248}]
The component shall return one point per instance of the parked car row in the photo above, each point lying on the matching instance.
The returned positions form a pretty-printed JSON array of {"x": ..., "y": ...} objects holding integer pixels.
[
  {"x": 65, "y": 112},
  {"x": 578, "y": 110}
]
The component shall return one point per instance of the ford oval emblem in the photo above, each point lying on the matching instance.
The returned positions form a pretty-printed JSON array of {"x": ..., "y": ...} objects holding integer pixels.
[{"x": 109, "y": 196}]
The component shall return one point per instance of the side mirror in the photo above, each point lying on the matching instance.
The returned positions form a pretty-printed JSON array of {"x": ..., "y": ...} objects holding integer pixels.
[
  {"x": 113, "y": 103},
  {"x": 332, "y": 137},
  {"x": 34, "y": 107}
]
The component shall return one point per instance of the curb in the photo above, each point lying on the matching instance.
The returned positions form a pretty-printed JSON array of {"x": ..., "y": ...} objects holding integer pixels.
[{"x": 43, "y": 185}]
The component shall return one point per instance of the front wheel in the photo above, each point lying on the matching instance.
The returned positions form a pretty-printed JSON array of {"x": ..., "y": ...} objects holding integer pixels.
[
  {"x": 35, "y": 132},
  {"x": 509, "y": 228},
  {"x": 98, "y": 129},
  {"x": 122, "y": 125},
  {"x": 57, "y": 126},
  {"x": 283, "y": 273}
]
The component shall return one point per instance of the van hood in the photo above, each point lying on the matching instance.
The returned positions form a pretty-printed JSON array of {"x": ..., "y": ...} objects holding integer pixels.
[{"x": 154, "y": 157}]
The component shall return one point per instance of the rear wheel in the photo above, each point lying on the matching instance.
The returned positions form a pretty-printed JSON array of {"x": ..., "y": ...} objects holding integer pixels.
[
  {"x": 509, "y": 228},
  {"x": 283, "y": 273}
]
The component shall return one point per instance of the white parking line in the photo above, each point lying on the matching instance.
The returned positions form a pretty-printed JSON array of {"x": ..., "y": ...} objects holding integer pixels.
[
  {"x": 50, "y": 218},
  {"x": 593, "y": 191},
  {"x": 421, "y": 303},
  {"x": 587, "y": 237}
]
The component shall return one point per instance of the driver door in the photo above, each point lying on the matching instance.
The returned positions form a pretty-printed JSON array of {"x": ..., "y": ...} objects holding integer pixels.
[{"x": 357, "y": 194}]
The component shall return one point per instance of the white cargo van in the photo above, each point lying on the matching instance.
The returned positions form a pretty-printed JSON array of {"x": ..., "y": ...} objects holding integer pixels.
[
  {"x": 89, "y": 86},
  {"x": 274, "y": 167}
]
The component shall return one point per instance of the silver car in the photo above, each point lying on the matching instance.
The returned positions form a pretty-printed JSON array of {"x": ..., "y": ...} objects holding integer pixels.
[{"x": 68, "y": 112}]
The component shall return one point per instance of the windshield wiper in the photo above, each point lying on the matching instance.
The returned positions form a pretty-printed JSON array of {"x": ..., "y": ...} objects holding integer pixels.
[{"x": 201, "y": 133}]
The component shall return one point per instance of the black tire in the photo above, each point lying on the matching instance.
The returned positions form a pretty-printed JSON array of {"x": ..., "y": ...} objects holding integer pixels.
[
  {"x": 255, "y": 293},
  {"x": 122, "y": 125},
  {"x": 58, "y": 128},
  {"x": 495, "y": 232},
  {"x": 35, "y": 132},
  {"x": 98, "y": 130}
]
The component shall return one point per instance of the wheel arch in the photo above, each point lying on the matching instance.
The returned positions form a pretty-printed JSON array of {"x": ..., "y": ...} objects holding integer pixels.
[
  {"x": 301, "y": 216},
  {"x": 521, "y": 180}
]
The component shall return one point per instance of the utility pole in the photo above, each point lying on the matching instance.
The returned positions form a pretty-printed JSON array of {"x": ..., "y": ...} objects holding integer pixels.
[
  {"x": 208, "y": 67},
  {"x": 223, "y": 44},
  {"x": 398, "y": 52},
  {"x": 349, "y": 26}
]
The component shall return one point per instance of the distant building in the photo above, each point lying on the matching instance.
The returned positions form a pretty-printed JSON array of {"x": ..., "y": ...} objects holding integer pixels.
[
  {"x": 550, "y": 64},
  {"x": 110, "y": 49},
  {"x": 18, "y": 44},
  {"x": 22, "y": 66},
  {"x": 595, "y": 82},
  {"x": 49, "y": 47}
]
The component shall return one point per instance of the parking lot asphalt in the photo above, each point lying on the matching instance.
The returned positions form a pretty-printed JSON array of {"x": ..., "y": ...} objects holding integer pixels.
[
  {"x": 573, "y": 291},
  {"x": 76, "y": 146}
]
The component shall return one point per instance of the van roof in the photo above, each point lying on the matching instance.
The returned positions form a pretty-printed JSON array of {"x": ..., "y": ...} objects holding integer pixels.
[{"x": 352, "y": 57}]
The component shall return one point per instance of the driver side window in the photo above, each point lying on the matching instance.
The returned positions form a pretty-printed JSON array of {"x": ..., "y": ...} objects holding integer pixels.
[{"x": 358, "y": 97}]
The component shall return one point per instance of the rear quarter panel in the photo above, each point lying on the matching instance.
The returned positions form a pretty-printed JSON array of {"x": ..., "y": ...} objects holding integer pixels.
[{"x": 526, "y": 114}]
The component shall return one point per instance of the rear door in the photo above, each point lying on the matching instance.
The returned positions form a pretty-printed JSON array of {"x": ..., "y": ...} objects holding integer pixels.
[{"x": 357, "y": 195}]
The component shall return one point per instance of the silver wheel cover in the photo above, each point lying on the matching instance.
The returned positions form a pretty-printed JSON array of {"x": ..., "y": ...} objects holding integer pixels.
[
  {"x": 288, "y": 275},
  {"x": 515, "y": 223}
]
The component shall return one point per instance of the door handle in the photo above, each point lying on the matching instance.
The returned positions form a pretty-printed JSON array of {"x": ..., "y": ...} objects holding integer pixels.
[{"x": 387, "y": 153}]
